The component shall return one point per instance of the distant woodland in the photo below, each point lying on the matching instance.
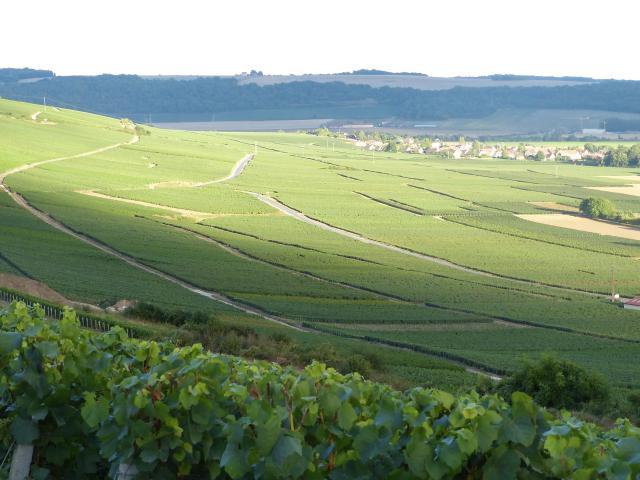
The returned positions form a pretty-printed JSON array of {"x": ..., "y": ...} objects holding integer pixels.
[{"x": 122, "y": 95}]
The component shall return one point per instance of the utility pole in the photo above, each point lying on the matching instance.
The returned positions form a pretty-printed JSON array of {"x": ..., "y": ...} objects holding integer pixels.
[
  {"x": 44, "y": 102},
  {"x": 613, "y": 286}
]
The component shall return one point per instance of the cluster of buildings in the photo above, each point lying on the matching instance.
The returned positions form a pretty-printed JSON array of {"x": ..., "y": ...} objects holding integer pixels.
[{"x": 465, "y": 149}]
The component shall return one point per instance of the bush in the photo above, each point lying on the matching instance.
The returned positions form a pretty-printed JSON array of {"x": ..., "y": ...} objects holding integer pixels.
[
  {"x": 357, "y": 363},
  {"x": 148, "y": 311},
  {"x": 557, "y": 383},
  {"x": 598, "y": 208}
]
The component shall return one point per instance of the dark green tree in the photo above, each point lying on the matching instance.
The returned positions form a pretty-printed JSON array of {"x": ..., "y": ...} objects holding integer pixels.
[{"x": 598, "y": 208}]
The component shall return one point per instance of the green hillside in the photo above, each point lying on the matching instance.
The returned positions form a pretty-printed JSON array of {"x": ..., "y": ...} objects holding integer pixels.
[{"x": 322, "y": 241}]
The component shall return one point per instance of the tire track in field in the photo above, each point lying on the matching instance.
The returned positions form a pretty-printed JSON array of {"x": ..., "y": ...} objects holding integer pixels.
[{"x": 298, "y": 215}]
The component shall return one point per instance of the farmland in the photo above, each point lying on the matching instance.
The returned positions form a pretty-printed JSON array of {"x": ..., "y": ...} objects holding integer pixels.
[{"x": 353, "y": 248}]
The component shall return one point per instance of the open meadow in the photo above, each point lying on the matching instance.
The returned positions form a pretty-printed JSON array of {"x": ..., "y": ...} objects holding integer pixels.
[{"x": 438, "y": 263}]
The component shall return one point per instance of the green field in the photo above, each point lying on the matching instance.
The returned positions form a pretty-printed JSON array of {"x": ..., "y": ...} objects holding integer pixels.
[{"x": 421, "y": 252}]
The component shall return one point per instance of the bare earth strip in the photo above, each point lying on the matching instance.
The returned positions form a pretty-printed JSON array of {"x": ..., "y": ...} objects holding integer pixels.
[
  {"x": 182, "y": 212},
  {"x": 633, "y": 190},
  {"x": 555, "y": 206},
  {"x": 583, "y": 224},
  {"x": 237, "y": 169},
  {"x": 630, "y": 178}
]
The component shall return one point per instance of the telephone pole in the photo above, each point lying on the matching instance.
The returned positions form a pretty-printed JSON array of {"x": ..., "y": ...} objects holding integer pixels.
[
  {"x": 613, "y": 286},
  {"x": 44, "y": 102}
]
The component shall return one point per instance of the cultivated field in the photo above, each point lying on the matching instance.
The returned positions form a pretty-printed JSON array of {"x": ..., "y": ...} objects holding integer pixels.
[
  {"x": 420, "y": 82},
  {"x": 324, "y": 241}
]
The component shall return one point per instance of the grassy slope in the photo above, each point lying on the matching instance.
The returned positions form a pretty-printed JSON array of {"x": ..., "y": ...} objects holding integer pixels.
[{"x": 284, "y": 166}]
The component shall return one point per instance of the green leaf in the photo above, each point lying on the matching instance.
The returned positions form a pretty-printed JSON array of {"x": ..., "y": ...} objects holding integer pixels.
[
  {"x": 286, "y": 446},
  {"x": 467, "y": 441},
  {"x": 503, "y": 464},
  {"x": 94, "y": 412},
  {"x": 9, "y": 341},
  {"x": 24, "y": 431},
  {"x": 346, "y": 416},
  {"x": 49, "y": 349},
  {"x": 267, "y": 434},
  {"x": 233, "y": 461},
  {"x": 417, "y": 454},
  {"x": 330, "y": 403}
]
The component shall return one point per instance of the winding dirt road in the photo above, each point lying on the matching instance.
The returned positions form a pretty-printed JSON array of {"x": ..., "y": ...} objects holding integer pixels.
[
  {"x": 29, "y": 166},
  {"x": 237, "y": 169}
]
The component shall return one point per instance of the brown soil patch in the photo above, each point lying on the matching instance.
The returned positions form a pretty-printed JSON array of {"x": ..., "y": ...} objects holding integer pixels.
[
  {"x": 583, "y": 224},
  {"x": 180, "y": 211},
  {"x": 172, "y": 184},
  {"x": 633, "y": 190},
  {"x": 630, "y": 178},
  {"x": 555, "y": 206},
  {"x": 31, "y": 287},
  {"x": 40, "y": 290}
]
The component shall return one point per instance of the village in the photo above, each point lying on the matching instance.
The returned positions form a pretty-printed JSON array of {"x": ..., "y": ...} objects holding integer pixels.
[{"x": 473, "y": 149}]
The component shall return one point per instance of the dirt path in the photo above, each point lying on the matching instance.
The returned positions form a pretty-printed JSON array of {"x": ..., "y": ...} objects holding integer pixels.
[
  {"x": 235, "y": 172},
  {"x": 180, "y": 211},
  {"x": 29, "y": 166},
  {"x": 272, "y": 202},
  {"x": 237, "y": 169},
  {"x": 34, "y": 117}
]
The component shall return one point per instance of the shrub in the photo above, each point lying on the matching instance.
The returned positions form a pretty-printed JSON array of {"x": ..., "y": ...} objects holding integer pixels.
[
  {"x": 598, "y": 207},
  {"x": 148, "y": 311},
  {"x": 557, "y": 383}
]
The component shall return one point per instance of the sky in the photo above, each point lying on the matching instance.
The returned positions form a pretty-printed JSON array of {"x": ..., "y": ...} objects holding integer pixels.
[{"x": 220, "y": 37}]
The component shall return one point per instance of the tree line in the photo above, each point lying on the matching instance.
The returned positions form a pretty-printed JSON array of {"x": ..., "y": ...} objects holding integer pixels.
[{"x": 125, "y": 95}]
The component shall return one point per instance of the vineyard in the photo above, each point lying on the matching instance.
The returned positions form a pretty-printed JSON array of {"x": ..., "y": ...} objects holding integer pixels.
[
  {"x": 93, "y": 405},
  {"x": 420, "y": 259}
]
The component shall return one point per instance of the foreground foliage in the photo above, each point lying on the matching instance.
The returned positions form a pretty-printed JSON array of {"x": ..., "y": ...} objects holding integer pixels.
[{"x": 91, "y": 402}]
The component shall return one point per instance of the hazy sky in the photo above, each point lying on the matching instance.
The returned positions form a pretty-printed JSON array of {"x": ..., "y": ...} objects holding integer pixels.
[{"x": 451, "y": 37}]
